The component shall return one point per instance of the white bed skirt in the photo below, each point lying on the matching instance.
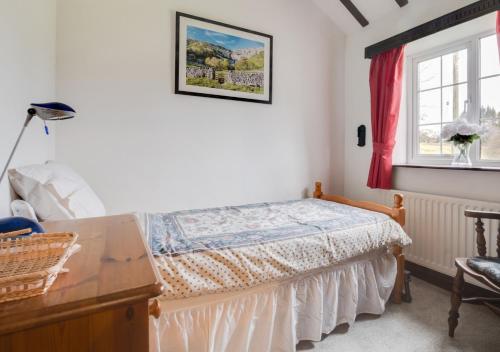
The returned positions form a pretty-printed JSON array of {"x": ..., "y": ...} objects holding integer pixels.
[{"x": 275, "y": 317}]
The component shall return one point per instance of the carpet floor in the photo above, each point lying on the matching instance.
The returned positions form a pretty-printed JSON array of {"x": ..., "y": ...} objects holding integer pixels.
[{"x": 420, "y": 326}]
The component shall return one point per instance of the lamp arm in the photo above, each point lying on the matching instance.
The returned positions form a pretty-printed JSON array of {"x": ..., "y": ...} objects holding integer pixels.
[{"x": 26, "y": 123}]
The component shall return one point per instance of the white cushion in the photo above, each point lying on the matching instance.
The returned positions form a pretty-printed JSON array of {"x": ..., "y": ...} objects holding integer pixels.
[
  {"x": 22, "y": 208},
  {"x": 55, "y": 191}
]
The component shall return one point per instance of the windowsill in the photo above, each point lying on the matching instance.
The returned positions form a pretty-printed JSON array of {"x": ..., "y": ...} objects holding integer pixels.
[{"x": 449, "y": 167}]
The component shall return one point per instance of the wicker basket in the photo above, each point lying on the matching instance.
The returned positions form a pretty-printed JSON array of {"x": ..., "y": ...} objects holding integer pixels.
[{"x": 30, "y": 265}]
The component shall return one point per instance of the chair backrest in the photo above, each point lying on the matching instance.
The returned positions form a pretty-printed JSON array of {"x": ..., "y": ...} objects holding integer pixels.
[{"x": 481, "y": 241}]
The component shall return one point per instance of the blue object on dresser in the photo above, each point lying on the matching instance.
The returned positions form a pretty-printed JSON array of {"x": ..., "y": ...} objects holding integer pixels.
[{"x": 15, "y": 223}]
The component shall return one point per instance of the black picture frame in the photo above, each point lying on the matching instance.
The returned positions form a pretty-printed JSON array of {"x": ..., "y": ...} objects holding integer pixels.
[{"x": 179, "y": 90}]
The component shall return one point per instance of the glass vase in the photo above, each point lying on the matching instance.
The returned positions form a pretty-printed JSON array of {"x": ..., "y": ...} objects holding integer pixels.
[{"x": 462, "y": 155}]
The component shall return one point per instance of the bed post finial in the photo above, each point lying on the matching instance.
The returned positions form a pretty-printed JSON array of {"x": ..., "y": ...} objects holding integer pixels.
[
  {"x": 318, "y": 193},
  {"x": 398, "y": 206},
  {"x": 398, "y": 201}
]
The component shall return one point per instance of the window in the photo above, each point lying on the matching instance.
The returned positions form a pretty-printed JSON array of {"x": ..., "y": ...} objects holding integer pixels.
[
  {"x": 489, "y": 85},
  {"x": 444, "y": 84}
]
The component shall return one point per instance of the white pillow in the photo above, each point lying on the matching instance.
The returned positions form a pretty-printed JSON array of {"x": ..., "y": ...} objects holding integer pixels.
[
  {"x": 22, "y": 208},
  {"x": 55, "y": 191}
]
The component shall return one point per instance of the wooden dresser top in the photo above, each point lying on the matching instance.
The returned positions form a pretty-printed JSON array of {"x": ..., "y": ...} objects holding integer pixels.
[{"x": 113, "y": 267}]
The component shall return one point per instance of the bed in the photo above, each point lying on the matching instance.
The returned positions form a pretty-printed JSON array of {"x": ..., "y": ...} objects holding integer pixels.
[
  {"x": 258, "y": 277},
  {"x": 263, "y": 277}
]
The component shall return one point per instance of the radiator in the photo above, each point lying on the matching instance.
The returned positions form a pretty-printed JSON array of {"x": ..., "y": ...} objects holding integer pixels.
[{"x": 440, "y": 231}]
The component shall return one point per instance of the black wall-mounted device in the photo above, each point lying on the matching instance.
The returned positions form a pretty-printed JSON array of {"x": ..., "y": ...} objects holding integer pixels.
[{"x": 361, "y": 136}]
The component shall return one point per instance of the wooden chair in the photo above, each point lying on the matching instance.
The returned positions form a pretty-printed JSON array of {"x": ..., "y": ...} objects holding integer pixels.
[{"x": 475, "y": 268}]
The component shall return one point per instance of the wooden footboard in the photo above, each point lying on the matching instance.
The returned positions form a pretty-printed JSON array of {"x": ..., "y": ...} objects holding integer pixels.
[{"x": 397, "y": 212}]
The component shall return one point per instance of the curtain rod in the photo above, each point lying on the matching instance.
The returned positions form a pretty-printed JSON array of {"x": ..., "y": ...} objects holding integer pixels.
[{"x": 464, "y": 14}]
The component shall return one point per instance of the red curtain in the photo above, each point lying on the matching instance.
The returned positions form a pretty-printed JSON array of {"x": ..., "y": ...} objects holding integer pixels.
[{"x": 386, "y": 76}]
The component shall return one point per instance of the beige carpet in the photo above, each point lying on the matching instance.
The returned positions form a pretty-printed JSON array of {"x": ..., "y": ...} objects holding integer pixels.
[{"x": 420, "y": 326}]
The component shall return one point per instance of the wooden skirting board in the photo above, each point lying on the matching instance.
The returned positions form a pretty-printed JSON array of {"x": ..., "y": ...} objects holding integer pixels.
[{"x": 444, "y": 281}]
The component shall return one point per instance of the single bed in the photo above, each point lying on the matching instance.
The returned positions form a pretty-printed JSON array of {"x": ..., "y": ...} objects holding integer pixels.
[
  {"x": 263, "y": 277},
  {"x": 251, "y": 278}
]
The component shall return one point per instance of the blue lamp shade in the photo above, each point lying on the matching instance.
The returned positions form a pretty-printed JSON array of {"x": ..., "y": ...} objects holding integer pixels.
[
  {"x": 47, "y": 112},
  {"x": 15, "y": 223},
  {"x": 53, "y": 111}
]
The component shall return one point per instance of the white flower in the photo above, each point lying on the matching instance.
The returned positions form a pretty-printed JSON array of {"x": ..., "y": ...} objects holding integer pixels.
[
  {"x": 483, "y": 130},
  {"x": 463, "y": 127},
  {"x": 449, "y": 131},
  {"x": 466, "y": 129}
]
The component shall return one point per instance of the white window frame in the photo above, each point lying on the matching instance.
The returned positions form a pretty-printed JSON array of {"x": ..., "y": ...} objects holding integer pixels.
[{"x": 472, "y": 44}]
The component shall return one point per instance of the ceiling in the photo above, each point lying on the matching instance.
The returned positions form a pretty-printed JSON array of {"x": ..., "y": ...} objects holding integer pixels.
[
  {"x": 374, "y": 10},
  {"x": 371, "y": 9}
]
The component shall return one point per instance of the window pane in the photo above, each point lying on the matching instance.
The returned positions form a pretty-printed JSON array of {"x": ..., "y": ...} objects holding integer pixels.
[
  {"x": 454, "y": 98},
  {"x": 490, "y": 64},
  {"x": 490, "y": 97},
  {"x": 429, "y": 138},
  {"x": 490, "y": 116},
  {"x": 455, "y": 67},
  {"x": 430, "y": 106},
  {"x": 447, "y": 148},
  {"x": 429, "y": 74},
  {"x": 490, "y": 146}
]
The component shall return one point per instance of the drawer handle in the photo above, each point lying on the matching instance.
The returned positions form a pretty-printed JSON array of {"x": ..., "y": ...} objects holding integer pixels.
[{"x": 154, "y": 308}]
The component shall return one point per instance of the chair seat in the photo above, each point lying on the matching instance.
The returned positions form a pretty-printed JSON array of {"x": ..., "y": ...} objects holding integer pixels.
[{"x": 488, "y": 266}]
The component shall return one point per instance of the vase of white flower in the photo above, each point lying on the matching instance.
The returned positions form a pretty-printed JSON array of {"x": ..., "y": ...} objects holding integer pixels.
[
  {"x": 462, "y": 134},
  {"x": 462, "y": 156}
]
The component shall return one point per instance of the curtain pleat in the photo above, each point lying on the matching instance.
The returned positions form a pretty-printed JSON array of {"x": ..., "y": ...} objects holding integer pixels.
[{"x": 386, "y": 79}]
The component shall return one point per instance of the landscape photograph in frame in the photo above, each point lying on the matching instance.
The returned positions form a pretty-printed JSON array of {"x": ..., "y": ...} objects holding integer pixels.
[{"x": 218, "y": 60}]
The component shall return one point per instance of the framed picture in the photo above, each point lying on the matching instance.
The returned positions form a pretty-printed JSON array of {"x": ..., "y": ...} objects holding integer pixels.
[{"x": 217, "y": 60}]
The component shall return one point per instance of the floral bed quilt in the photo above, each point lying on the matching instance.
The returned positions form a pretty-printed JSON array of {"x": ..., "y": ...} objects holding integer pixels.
[{"x": 233, "y": 248}]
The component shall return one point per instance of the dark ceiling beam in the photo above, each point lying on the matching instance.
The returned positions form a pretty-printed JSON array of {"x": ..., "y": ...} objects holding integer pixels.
[
  {"x": 402, "y": 3},
  {"x": 462, "y": 15},
  {"x": 355, "y": 12}
]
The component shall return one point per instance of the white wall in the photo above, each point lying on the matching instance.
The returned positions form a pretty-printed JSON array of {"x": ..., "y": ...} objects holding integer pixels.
[
  {"x": 27, "y": 61},
  {"x": 141, "y": 147},
  {"x": 464, "y": 184}
]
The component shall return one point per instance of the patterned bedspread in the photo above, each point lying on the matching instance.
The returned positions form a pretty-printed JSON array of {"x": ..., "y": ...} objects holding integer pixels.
[{"x": 232, "y": 248}]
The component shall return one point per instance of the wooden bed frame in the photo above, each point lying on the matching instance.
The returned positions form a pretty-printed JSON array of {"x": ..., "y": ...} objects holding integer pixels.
[{"x": 397, "y": 212}]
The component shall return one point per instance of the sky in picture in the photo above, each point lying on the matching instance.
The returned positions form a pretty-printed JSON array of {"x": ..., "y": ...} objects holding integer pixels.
[{"x": 228, "y": 41}]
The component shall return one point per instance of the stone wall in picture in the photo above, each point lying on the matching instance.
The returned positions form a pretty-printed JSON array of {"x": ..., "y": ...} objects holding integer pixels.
[
  {"x": 200, "y": 72},
  {"x": 243, "y": 78}
]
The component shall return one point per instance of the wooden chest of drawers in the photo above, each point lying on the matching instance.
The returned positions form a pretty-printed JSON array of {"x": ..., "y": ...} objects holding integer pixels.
[{"x": 101, "y": 304}]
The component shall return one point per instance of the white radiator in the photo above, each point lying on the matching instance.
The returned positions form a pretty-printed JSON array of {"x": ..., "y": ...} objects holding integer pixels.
[{"x": 440, "y": 231}]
